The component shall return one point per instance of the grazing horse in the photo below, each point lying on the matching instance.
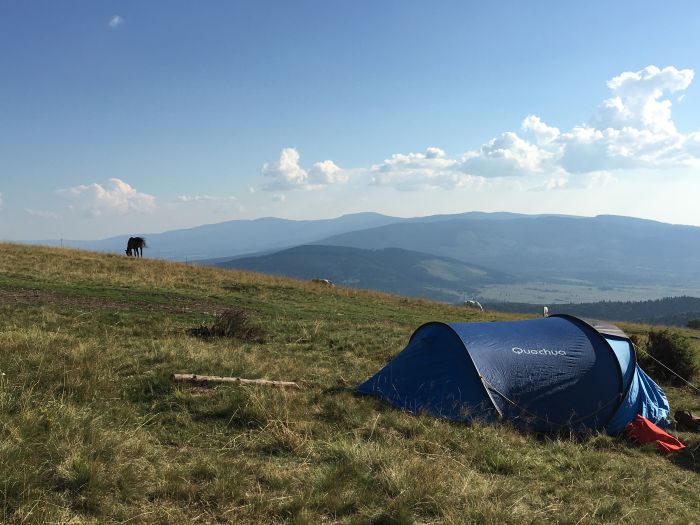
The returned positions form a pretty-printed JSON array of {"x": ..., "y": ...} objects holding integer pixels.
[{"x": 135, "y": 246}]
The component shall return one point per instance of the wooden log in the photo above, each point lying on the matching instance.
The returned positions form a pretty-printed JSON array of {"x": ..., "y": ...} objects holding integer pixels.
[{"x": 203, "y": 380}]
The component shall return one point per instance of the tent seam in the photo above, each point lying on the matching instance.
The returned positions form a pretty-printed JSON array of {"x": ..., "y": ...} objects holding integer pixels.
[{"x": 482, "y": 379}]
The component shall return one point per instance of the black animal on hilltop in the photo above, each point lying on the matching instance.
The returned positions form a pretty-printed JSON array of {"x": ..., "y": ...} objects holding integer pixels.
[{"x": 135, "y": 246}]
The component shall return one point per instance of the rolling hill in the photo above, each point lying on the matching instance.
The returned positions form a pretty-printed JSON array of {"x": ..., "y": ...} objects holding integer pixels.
[
  {"x": 391, "y": 270},
  {"x": 604, "y": 250}
]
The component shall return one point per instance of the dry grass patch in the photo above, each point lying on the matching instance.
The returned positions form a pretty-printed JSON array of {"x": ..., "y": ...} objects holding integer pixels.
[{"x": 235, "y": 323}]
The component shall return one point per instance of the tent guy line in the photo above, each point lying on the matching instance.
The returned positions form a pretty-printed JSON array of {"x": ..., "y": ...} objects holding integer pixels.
[{"x": 688, "y": 383}]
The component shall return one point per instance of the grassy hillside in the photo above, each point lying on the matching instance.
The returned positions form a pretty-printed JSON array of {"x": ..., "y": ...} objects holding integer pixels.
[{"x": 93, "y": 431}]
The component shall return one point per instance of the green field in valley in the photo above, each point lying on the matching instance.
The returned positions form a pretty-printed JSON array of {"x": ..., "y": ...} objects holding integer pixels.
[{"x": 93, "y": 430}]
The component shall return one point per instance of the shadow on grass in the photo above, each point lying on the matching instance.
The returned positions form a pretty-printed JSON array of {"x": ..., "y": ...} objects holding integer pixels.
[
  {"x": 337, "y": 389},
  {"x": 689, "y": 457}
]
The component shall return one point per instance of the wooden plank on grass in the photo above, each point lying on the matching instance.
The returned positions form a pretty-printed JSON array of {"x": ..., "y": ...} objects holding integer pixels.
[{"x": 203, "y": 380}]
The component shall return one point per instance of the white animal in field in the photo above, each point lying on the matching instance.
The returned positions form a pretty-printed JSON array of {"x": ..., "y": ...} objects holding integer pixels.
[
  {"x": 325, "y": 282},
  {"x": 476, "y": 305}
]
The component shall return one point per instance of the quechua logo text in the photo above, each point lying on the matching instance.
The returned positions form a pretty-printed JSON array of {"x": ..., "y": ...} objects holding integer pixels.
[{"x": 537, "y": 351}]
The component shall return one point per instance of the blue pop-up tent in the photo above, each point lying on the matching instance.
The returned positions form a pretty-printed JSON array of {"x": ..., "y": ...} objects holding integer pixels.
[{"x": 549, "y": 374}]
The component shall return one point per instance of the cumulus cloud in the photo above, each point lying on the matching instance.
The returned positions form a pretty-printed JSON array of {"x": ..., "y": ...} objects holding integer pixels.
[
  {"x": 505, "y": 156},
  {"x": 631, "y": 129},
  {"x": 413, "y": 171},
  {"x": 327, "y": 172},
  {"x": 287, "y": 174},
  {"x": 115, "y": 21},
  {"x": 114, "y": 198},
  {"x": 543, "y": 133},
  {"x": 638, "y": 102}
]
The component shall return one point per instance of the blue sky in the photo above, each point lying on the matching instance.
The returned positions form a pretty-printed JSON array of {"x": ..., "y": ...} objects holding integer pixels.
[{"x": 120, "y": 117}]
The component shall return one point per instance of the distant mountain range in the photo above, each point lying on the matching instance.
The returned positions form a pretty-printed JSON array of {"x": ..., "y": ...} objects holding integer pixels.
[
  {"x": 233, "y": 238},
  {"x": 497, "y": 256},
  {"x": 605, "y": 250},
  {"x": 392, "y": 270},
  {"x": 247, "y": 237}
]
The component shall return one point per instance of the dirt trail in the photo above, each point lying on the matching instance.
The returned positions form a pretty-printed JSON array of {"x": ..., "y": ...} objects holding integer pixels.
[{"x": 33, "y": 296}]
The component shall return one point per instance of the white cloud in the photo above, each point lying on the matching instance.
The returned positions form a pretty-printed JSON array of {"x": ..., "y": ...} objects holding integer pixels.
[
  {"x": 544, "y": 133},
  {"x": 115, "y": 21},
  {"x": 115, "y": 198},
  {"x": 632, "y": 129},
  {"x": 637, "y": 99},
  {"x": 287, "y": 174},
  {"x": 279, "y": 197},
  {"x": 327, "y": 172},
  {"x": 415, "y": 171},
  {"x": 504, "y": 156}
]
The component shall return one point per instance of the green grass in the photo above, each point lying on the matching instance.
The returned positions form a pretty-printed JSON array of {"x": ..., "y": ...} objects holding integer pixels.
[{"x": 92, "y": 430}]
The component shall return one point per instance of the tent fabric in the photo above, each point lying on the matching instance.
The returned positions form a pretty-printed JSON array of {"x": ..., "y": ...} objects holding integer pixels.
[
  {"x": 549, "y": 374},
  {"x": 644, "y": 398},
  {"x": 643, "y": 431},
  {"x": 432, "y": 374}
]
